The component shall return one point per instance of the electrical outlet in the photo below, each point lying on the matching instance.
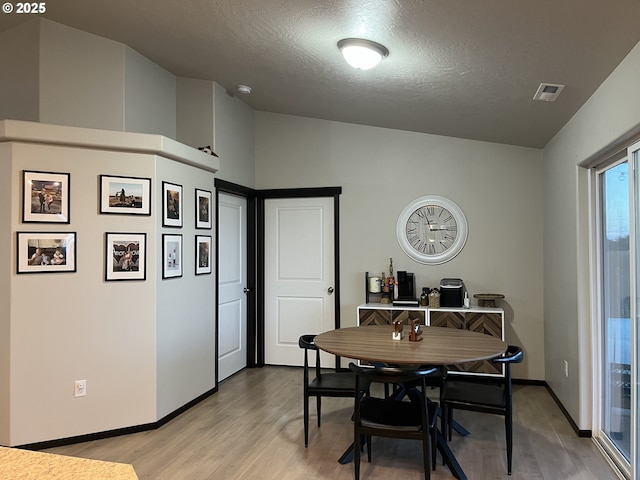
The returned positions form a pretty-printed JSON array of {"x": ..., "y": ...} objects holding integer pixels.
[
  {"x": 80, "y": 388},
  {"x": 566, "y": 368}
]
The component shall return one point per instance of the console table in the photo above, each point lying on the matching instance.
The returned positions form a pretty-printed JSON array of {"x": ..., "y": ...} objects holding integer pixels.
[{"x": 489, "y": 321}]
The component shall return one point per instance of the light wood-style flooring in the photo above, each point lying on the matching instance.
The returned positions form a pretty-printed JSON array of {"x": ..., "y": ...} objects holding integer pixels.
[{"x": 252, "y": 429}]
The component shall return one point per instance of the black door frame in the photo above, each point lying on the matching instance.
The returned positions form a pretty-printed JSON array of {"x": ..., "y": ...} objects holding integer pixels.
[
  {"x": 263, "y": 195},
  {"x": 223, "y": 186}
]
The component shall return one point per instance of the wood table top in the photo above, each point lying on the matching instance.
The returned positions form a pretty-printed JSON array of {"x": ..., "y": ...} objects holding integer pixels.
[{"x": 439, "y": 345}]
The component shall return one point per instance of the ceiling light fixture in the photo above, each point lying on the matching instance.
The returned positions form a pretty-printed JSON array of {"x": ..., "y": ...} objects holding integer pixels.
[
  {"x": 244, "y": 89},
  {"x": 362, "y": 54}
]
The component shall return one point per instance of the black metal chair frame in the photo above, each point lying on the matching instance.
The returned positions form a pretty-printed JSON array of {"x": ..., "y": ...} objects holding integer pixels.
[
  {"x": 325, "y": 384},
  {"x": 486, "y": 396},
  {"x": 387, "y": 417}
]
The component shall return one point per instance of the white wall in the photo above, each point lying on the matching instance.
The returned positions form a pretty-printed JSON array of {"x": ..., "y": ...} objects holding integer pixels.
[
  {"x": 6, "y": 243},
  {"x": 497, "y": 186},
  {"x": 64, "y": 76},
  {"x": 81, "y": 78},
  {"x": 194, "y": 112},
  {"x": 19, "y": 49},
  {"x": 149, "y": 96},
  {"x": 186, "y": 306},
  {"x": 234, "y": 139},
  {"x": 72, "y": 326},
  {"x": 145, "y": 348},
  {"x": 607, "y": 118}
]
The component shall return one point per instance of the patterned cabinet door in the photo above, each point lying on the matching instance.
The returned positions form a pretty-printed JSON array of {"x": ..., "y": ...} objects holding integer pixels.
[
  {"x": 450, "y": 320},
  {"x": 374, "y": 316},
  {"x": 489, "y": 323},
  {"x": 446, "y": 319},
  {"x": 405, "y": 316}
]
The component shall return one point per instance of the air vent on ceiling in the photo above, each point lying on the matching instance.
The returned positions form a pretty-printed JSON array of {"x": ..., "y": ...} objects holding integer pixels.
[{"x": 548, "y": 92}]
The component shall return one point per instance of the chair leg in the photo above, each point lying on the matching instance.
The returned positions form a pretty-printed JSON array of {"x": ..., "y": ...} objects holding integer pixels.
[
  {"x": 318, "y": 408},
  {"x": 426, "y": 457},
  {"x": 306, "y": 421},
  {"x": 443, "y": 420},
  {"x": 444, "y": 412},
  {"x": 368, "y": 442},
  {"x": 357, "y": 438},
  {"x": 434, "y": 446},
  {"x": 508, "y": 423}
]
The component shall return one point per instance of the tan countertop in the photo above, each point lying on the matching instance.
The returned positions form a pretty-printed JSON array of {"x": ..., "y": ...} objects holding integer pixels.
[{"x": 16, "y": 464}]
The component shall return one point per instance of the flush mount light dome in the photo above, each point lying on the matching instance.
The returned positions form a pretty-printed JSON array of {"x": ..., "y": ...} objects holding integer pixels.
[{"x": 362, "y": 54}]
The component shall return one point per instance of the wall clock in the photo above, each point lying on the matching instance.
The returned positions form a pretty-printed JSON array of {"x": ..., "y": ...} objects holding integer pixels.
[{"x": 432, "y": 230}]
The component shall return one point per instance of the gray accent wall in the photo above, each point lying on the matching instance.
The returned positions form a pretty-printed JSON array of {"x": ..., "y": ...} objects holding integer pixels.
[
  {"x": 82, "y": 78},
  {"x": 19, "y": 75},
  {"x": 194, "y": 112},
  {"x": 149, "y": 96},
  {"x": 234, "y": 138},
  {"x": 499, "y": 188},
  {"x": 609, "y": 117}
]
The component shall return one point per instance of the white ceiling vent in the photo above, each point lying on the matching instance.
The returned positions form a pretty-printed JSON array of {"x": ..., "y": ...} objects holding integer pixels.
[{"x": 548, "y": 92}]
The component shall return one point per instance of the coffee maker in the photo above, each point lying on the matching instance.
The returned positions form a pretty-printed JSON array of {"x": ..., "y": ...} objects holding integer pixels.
[{"x": 406, "y": 289}]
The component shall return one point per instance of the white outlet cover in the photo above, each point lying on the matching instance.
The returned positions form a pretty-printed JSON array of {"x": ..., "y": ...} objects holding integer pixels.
[{"x": 80, "y": 388}]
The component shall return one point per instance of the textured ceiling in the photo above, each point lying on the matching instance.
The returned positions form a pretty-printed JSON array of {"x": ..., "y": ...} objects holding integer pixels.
[{"x": 462, "y": 68}]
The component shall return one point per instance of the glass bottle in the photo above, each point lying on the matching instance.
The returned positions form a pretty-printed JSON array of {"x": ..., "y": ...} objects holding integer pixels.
[
  {"x": 392, "y": 281},
  {"x": 424, "y": 297}
]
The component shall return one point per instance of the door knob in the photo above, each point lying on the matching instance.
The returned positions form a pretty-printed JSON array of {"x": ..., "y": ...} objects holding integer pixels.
[
  {"x": 246, "y": 290},
  {"x": 330, "y": 290}
]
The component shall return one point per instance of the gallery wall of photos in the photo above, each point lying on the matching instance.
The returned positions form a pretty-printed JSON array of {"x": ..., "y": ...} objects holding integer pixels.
[{"x": 46, "y": 200}]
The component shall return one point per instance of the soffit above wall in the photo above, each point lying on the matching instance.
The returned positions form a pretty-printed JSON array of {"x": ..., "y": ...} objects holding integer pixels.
[{"x": 33, "y": 132}]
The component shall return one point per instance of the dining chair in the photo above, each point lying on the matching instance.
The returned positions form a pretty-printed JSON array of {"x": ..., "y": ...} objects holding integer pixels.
[
  {"x": 325, "y": 383},
  {"x": 482, "y": 395},
  {"x": 388, "y": 417}
]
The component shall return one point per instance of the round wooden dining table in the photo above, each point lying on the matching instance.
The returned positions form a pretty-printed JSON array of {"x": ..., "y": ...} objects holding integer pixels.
[{"x": 439, "y": 346}]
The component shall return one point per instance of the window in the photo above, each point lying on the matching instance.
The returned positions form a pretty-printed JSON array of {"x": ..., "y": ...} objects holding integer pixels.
[{"x": 617, "y": 247}]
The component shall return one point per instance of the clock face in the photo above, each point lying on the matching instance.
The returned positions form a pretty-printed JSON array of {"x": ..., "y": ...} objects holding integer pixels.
[{"x": 432, "y": 230}]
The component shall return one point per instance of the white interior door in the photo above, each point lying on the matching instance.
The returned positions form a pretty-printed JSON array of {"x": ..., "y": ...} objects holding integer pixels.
[
  {"x": 299, "y": 274},
  {"x": 232, "y": 281}
]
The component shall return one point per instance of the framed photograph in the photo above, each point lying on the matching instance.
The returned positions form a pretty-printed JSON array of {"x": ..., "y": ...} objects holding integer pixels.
[
  {"x": 125, "y": 195},
  {"x": 171, "y": 205},
  {"x": 125, "y": 256},
  {"x": 203, "y": 254},
  {"x": 45, "y": 197},
  {"x": 203, "y": 209},
  {"x": 45, "y": 252},
  {"x": 171, "y": 256}
]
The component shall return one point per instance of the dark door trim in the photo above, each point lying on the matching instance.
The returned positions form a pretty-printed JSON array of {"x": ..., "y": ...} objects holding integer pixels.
[
  {"x": 223, "y": 186},
  {"x": 263, "y": 195}
]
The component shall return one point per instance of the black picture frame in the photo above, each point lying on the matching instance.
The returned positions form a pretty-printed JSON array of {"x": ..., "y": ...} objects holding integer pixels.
[
  {"x": 171, "y": 205},
  {"x": 203, "y": 209},
  {"x": 125, "y": 256},
  {"x": 122, "y": 195},
  {"x": 171, "y": 255},
  {"x": 45, "y": 197},
  {"x": 45, "y": 252},
  {"x": 203, "y": 254}
]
